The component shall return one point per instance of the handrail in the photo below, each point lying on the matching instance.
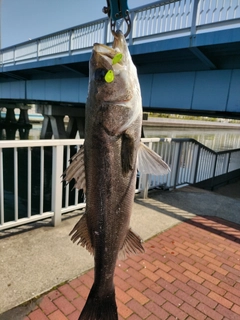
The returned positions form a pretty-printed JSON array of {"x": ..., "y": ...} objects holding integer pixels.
[
  {"x": 164, "y": 18},
  {"x": 42, "y": 194}
]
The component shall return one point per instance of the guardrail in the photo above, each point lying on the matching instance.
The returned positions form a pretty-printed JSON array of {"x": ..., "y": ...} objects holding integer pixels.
[
  {"x": 30, "y": 184},
  {"x": 30, "y": 175},
  {"x": 159, "y": 20},
  {"x": 191, "y": 163}
]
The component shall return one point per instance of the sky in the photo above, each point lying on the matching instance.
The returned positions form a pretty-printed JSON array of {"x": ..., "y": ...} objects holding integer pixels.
[{"x": 22, "y": 20}]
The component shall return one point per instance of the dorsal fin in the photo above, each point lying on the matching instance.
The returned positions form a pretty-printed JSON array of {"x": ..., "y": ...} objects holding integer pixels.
[
  {"x": 149, "y": 162},
  {"x": 76, "y": 170},
  {"x": 131, "y": 245}
]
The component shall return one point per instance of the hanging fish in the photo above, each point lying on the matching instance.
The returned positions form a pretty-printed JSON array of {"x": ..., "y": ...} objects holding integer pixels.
[{"x": 105, "y": 168}]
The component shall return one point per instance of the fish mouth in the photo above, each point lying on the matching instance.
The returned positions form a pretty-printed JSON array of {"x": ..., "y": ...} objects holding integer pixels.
[
  {"x": 103, "y": 55},
  {"x": 119, "y": 45},
  {"x": 119, "y": 42}
]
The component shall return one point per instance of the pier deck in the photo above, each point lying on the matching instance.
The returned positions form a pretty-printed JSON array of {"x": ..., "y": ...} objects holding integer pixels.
[{"x": 191, "y": 268}]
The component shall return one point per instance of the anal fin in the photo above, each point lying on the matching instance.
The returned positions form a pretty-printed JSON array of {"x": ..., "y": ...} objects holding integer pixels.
[
  {"x": 80, "y": 234},
  {"x": 149, "y": 162},
  {"x": 131, "y": 245}
]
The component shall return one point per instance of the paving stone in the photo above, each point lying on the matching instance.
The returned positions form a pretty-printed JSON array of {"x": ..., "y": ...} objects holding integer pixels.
[{"x": 198, "y": 284}]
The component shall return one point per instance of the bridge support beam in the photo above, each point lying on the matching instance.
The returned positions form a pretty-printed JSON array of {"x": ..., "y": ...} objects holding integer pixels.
[
  {"x": 10, "y": 124},
  {"x": 53, "y": 123},
  {"x": 10, "y": 113},
  {"x": 74, "y": 125},
  {"x": 53, "y": 126},
  {"x": 23, "y": 117},
  {"x": 10, "y": 116},
  {"x": 46, "y": 131}
]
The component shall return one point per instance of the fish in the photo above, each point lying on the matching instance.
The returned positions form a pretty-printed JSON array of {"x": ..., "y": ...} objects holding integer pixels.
[{"x": 105, "y": 168}]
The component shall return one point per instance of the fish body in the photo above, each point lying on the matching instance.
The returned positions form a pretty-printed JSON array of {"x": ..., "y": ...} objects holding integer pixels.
[{"x": 106, "y": 167}]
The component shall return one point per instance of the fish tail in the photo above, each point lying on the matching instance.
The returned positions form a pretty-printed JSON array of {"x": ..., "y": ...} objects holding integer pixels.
[{"x": 100, "y": 307}]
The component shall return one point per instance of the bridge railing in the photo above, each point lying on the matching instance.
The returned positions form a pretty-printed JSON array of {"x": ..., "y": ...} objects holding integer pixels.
[
  {"x": 30, "y": 175},
  {"x": 159, "y": 20},
  {"x": 191, "y": 163}
]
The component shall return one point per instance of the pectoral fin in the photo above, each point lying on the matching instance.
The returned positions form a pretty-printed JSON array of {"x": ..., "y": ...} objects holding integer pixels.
[
  {"x": 131, "y": 245},
  {"x": 76, "y": 170},
  {"x": 81, "y": 234},
  {"x": 127, "y": 151},
  {"x": 149, "y": 162}
]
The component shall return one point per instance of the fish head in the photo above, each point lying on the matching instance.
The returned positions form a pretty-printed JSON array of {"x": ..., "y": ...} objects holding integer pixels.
[{"x": 114, "y": 78}]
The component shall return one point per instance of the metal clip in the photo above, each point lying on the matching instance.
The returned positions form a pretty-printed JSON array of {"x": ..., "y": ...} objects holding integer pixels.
[
  {"x": 128, "y": 21},
  {"x": 118, "y": 9}
]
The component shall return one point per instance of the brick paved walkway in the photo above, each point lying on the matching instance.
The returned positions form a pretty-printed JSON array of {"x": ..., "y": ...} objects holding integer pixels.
[{"x": 191, "y": 271}]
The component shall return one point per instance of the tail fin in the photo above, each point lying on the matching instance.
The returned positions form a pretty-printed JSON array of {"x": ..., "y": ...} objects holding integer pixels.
[{"x": 99, "y": 307}]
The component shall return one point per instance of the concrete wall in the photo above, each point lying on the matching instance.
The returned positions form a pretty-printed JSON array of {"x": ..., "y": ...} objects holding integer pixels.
[
  {"x": 60, "y": 90},
  {"x": 12, "y": 90},
  {"x": 216, "y": 90}
]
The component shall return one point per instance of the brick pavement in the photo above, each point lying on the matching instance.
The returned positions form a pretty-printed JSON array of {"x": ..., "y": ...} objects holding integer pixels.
[{"x": 191, "y": 271}]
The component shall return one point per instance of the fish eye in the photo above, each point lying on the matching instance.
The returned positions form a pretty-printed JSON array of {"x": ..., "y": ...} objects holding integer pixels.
[{"x": 100, "y": 74}]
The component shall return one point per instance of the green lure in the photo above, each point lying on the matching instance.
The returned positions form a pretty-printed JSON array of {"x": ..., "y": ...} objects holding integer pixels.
[
  {"x": 117, "y": 58},
  {"x": 109, "y": 76}
]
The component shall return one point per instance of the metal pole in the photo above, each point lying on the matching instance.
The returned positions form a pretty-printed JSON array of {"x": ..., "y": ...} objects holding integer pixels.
[
  {"x": 194, "y": 20},
  {"x": 57, "y": 169},
  {"x": 177, "y": 165}
]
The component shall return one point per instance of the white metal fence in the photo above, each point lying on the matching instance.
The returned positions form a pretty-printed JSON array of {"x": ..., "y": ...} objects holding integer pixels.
[
  {"x": 30, "y": 175},
  {"x": 158, "y": 20},
  {"x": 190, "y": 162}
]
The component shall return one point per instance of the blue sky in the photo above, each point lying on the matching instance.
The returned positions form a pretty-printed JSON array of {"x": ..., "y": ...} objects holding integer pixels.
[{"x": 22, "y": 20}]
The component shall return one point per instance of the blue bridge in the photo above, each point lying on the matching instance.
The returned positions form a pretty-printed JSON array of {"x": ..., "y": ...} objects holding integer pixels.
[{"x": 187, "y": 54}]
